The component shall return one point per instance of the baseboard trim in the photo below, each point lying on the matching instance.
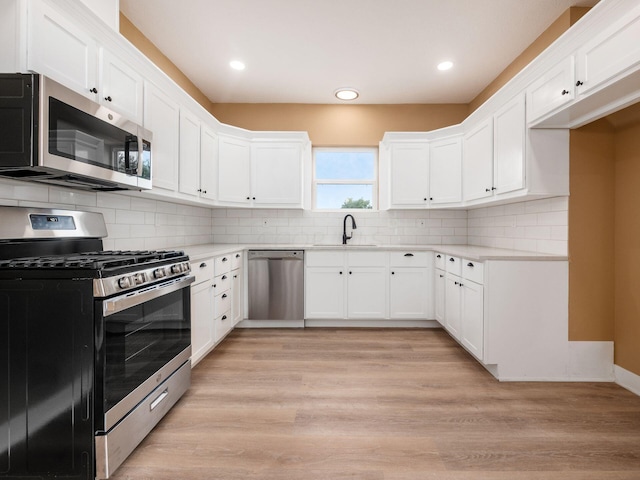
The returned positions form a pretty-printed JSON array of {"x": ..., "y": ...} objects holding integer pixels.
[
  {"x": 372, "y": 323},
  {"x": 627, "y": 379}
]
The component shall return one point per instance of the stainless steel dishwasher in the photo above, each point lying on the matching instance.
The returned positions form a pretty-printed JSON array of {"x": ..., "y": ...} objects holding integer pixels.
[{"x": 276, "y": 285}]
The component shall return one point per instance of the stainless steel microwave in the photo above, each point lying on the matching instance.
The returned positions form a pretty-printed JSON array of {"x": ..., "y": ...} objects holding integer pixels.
[{"x": 54, "y": 135}]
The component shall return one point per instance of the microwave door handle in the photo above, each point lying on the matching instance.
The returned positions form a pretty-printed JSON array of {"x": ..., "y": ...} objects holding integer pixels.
[{"x": 127, "y": 151}]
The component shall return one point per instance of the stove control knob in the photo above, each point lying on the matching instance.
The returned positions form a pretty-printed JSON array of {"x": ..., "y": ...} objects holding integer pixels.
[
  {"x": 159, "y": 273},
  {"x": 124, "y": 282},
  {"x": 177, "y": 268},
  {"x": 140, "y": 278}
]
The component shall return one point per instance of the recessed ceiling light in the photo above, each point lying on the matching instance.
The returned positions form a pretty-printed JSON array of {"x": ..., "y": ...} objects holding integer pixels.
[
  {"x": 445, "y": 65},
  {"x": 346, "y": 93},
  {"x": 237, "y": 65}
]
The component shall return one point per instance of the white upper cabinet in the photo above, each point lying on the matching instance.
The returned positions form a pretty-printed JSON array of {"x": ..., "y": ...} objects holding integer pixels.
[
  {"x": 276, "y": 174},
  {"x": 509, "y": 146},
  {"x": 409, "y": 172},
  {"x": 120, "y": 86},
  {"x": 189, "y": 172},
  {"x": 234, "y": 170},
  {"x": 208, "y": 163},
  {"x": 446, "y": 171},
  {"x": 477, "y": 162},
  {"x": 260, "y": 173},
  {"x": 62, "y": 50},
  {"x": 69, "y": 54},
  {"x": 162, "y": 117},
  {"x": 551, "y": 91},
  {"x": 614, "y": 50}
]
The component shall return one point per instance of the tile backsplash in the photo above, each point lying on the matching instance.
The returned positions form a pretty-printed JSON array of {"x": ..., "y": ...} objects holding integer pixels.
[{"x": 136, "y": 222}]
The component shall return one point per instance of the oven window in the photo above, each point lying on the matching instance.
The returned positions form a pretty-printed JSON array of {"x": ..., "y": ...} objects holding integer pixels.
[
  {"x": 79, "y": 136},
  {"x": 141, "y": 340}
]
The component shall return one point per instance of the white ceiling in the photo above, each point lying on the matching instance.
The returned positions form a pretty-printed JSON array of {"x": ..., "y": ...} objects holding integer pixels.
[{"x": 301, "y": 51}]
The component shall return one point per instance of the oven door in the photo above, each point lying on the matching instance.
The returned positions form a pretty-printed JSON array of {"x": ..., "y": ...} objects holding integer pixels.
[{"x": 141, "y": 338}]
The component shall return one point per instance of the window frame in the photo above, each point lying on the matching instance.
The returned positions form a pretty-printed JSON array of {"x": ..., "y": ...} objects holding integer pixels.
[{"x": 374, "y": 183}]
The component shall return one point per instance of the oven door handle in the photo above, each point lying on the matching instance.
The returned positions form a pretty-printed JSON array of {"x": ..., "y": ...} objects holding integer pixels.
[{"x": 118, "y": 304}]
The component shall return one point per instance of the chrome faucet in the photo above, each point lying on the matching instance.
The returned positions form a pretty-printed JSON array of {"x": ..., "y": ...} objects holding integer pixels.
[{"x": 344, "y": 228}]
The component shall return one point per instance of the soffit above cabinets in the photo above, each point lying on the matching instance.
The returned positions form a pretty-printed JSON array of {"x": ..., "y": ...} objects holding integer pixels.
[{"x": 301, "y": 51}]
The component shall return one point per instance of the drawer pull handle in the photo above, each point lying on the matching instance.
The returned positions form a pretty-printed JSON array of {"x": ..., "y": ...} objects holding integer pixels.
[
  {"x": 224, "y": 295},
  {"x": 224, "y": 317},
  {"x": 460, "y": 284},
  {"x": 158, "y": 400},
  {"x": 456, "y": 283},
  {"x": 470, "y": 264},
  {"x": 203, "y": 265},
  {"x": 408, "y": 254}
]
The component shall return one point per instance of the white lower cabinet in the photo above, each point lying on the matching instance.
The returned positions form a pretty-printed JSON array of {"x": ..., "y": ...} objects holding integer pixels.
[
  {"x": 202, "y": 310},
  {"x": 439, "y": 287},
  {"x": 366, "y": 285},
  {"x": 411, "y": 285},
  {"x": 460, "y": 293},
  {"x": 237, "y": 290},
  {"x": 367, "y": 292}
]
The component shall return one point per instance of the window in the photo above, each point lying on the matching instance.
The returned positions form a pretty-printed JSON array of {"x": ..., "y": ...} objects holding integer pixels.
[{"x": 345, "y": 178}]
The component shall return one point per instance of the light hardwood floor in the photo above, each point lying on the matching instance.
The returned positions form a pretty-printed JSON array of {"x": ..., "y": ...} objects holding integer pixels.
[{"x": 382, "y": 405}]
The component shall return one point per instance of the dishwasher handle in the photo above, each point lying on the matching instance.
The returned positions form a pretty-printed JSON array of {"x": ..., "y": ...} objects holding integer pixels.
[{"x": 276, "y": 254}]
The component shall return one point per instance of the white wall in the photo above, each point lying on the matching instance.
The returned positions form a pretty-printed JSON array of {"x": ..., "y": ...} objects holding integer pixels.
[{"x": 138, "y": 223}]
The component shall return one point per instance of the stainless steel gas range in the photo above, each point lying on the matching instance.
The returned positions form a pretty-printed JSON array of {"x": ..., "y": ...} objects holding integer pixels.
[{"x": 94, "y": 345}]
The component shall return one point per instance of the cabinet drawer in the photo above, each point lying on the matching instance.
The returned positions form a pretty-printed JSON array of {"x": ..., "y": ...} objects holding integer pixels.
[
  {"x": 367, "y": 259},
  {"x": 409, "y": 259},
  {"x": 473, "y": 270},
  {"x": 236, "y": 260},
  {"x": 439, "y": 260},
  {"x": 222, "y": 304},
  {"x": 222, "y": 265},
  {"x": 453, "y": 265},
  {"x": 221, "y": 283},
  {"x": 224, "y": 323},
  {"x": 324, "y": 259},
  {"x": 202, "y": 270}
]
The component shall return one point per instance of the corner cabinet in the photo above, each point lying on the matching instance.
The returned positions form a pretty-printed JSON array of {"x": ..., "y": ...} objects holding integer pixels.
[{"x": 445, "y": 164}]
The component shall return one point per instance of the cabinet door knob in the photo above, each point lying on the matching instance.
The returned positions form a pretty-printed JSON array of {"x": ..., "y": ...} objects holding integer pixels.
[
  {"x": 393, "y": 273},
  {"x": 248, "y": 198},
  {"x": 455, "y": 283},
  {"x": 451, "y": 259},
  {"x": 253, "y": 198},
  {"x": 340, "y": 272},
  {"x": 224, "y": 259},
  {"x": 237, "y": 255},
  {"x": 224, "y": 277},
  {"x": 425, "y": 199},
  {"x": 94, "y": 90},
  {"x": 460, "y": 284},
  {"x": 494, "y": 188},
  {"x": 408, "y": 254},
  {"x": 579, "y": 83},
  {"x": 469, "y": 264},
  {"x": 224, "y": 317},
  {"x": 202, "y": 265},
  {"x": 108, "y": 99},
  {"x": 430, "y": 198},
  {"x": 441, "y": 275},
  {"x": 204, "y": 191},
  {"x": 224, "y": 295},
  {"x": 350, "y": 273},
  {"x": 487, "y": 189},
  {"x": 438, "y": 256}
]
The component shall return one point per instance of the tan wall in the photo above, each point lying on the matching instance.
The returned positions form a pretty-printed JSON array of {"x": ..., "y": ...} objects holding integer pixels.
[
  {"x": 591, "y": 236},
  {"x": 340, "y": 125},
  {"x": 627, "y": 248},
  {"x": 557, "y": 28},
  {"x": 142, "y": 43}
]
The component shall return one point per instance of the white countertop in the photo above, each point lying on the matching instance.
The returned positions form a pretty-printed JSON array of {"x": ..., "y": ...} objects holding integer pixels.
[{"x": 471, "y": 252}]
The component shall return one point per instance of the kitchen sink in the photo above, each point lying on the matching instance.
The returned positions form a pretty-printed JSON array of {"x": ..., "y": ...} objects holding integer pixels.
[{"x": 341, "y": 245}]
